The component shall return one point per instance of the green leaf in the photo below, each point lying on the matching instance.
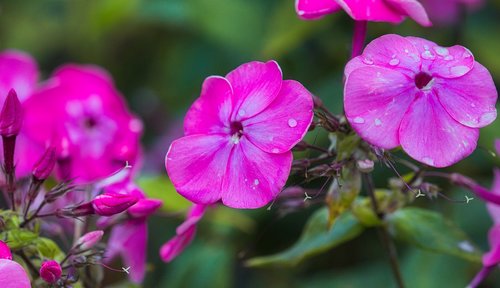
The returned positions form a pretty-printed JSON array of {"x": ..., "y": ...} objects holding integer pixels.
[
  {"x": 48, "y": 249},
  {"x": 430, "y": 231},
  {"x": 315, "y": 238},
  {"x": 18, "y": 238},
  {"x": 161, "y": 188}
]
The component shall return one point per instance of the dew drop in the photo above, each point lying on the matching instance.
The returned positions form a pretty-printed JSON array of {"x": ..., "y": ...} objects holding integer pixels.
[
  {"x": 394, "y": 62},
  {"x": 441, "y": 51},
  {"x": 378, "y": 122},
  {"x": 241, "y": 112},
  {"x": 407, "y": 51},
  {"x": 459, "y": 70},
  {"x": 256, "y": 182},
  {"x": 428, "y": 161},
  {"x": 292, "y": 122},
  {"x": 488, "y": 117},
  {"x": 359, "y": 120},
  {"x": 472, "y": 105},
  {"x": 427, "y": 55},
  {"x": 449, "y": 57},
  {"x": 367, "y": 61}
]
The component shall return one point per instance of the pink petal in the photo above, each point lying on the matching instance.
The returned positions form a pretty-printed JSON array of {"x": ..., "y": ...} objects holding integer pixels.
[
  {"x": 429, "y": 134},
  {"x": 212, "y": 111},
  {"x": 196, "y": 165},
  {"x": 371, "y": 10},
  {"x": 13, "y": 275},
  {"x": 469, "y": 99},
  {"x": 170, "y": 250},
  {"x": 494, "y": 209},
  {"x": 413, "y": 9},
  {"x": 19, "y": 71},
  {"x": 283, "y": 123},
  {"x": 446, "y": 62},
  {"x": 254, "y": 177},
  {"x": 195, "y": 214},
  {"x": 255, "y": 86},
  {"x": 391, "y": 51},
  {"x": 375, "y": 100},
  {"x": 315, "y": 9},
  {"x": 492, "y": 257}
]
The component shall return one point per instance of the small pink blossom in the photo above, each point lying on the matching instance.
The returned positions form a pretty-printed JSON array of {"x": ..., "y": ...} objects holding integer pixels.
[
  {"x": 5, "y": 251},
  {"x": 11, "y": 116},
  {"x": 429, "y": 99},
  {"x": 50, "y": 271},
  {"x": 88, "y": 240},
  {"x": 446, "y": 12},
  {"x": 239, "y": 136},
  {"x": 392, "y": 11},
  {"x": 80, "y": 111},
  {"x": 184, "y": 234},
  {"x": 13, "y": 275}
]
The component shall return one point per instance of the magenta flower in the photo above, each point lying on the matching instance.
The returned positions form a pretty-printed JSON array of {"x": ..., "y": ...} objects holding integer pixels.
[
  {"x": 429, "y": 99},
  {"x": 239, "y": 134},
  {"x": 392, "y": 11},
  {"x": 446, "y": 12},
  {"x": 50, "y": 271},
  {"x": 184, "y": 234},
  {"x": 13, "y": 275},
  {"x": 5, "y": 251},
  {"x": 88, "y": 122},
  {"x": 129, "y": 239}
]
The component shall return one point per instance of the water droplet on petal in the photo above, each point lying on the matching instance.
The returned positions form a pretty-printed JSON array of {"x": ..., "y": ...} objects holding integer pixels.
[
  {"x": 407, "y": 51},
  {"x": 488, "y": 117},
  {"x": 427, "y": 55},
  {"x": 367, "y": 61},
  {"x": 472, "y": 105},
  {"x": 428, "y": 161},
  {"x": 256, "y": 182},
  {"x": 459, "y": 70},
  {"x": 449, "y": 57},
  {"x": 241, "y": 112},
  {"x": 378, "y": 122},
  {"x": 441, "y": 51},
  {"x": 292, "y": 122},
  {"x": 359, "y": 120},
  {"x": 394, "y": 62}
]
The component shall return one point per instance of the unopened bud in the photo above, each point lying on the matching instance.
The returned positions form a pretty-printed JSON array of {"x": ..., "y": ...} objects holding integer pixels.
[
  {"x": 45, "y": 165},
  {"x": 50, "y": 271},
  {"x": 77, "y": 211},
  {"x": 11, "y": 117},
  {"x": 5, "y": 251},
  {"x": 88, "y": 240},
  {"x": 144, "y": 207},
  {"x": 365, "y": 166},
  {"x": 112, "y": 203}
]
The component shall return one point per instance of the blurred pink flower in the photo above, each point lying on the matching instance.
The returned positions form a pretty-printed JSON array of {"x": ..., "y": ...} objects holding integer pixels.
[
  {"x": 392, "y": 11},
  {"x": 12, "y": 275},
  {"x": 239, "y": 136},
  {"x": 80, "y": 111},
  {"x": 431, "y": 100},
  {"x": 5, "y": 251},
  {"x": 446, "y": 12},
  {"x": 184, "y": 234},
  {"x": 129, "y": 239}
]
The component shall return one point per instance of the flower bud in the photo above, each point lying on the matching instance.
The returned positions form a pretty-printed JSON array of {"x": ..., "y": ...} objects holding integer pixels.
[
  {"x": 11, "y": 117},
  {"x": 5, "y": 251},
  {"x": 112, "y": 203},
  {"x": 144, "y": 207},
  {"x": 45, "y": 165},
  {"x": 88, "y": 240},
  {"x": 50, "y": 271},
  {"x": 77, "y": 211}
]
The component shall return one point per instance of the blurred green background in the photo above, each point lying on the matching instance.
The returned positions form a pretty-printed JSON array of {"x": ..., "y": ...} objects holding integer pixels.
[{"x": 159, "y": 52}]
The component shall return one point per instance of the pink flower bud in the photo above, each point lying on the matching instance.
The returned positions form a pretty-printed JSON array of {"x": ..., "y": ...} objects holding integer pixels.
[
  {"x": 45, "y": 165},
  {"x": 144, "y": 207},
  {"x": 11, "y": 117},
  {"x": 5, "y": 251},
  {"x": 80, "y": 210},
  {"x": 50, "y": 271},
  {"x": 112, "y": 203},
  {"x": 88, "y": 240}
]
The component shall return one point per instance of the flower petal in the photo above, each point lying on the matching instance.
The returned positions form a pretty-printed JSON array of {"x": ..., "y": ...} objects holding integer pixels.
[
  {"x": 375, "y": 100},
  {"x": 391, "y": 51},
  {"x": 255, "y": 86},
  {"x": 212, "y": 111},
  {"x": 196, "y": 165},
  {"x": 315, "y": 9},
  {"x": 369, "y": 10},
  {"x": 469, "y": 99},
  {"x": 492, "y": 257},
  {"x": 283, "y": 123},
  {"x": 13, "y": 275},
  {"x": 19, "y": 71},
  {"x": 254, "y": 177},
  {"x": 413, "y": 9},
  {"x": 429, "y": 134},
  {"x": 494, "y": 209}
]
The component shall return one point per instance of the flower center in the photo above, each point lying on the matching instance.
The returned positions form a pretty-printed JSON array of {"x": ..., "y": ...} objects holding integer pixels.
[
  {"x": 236, "y": 131},
  {"x": 423, "y": 81},
  {"x": 90, "y": 122}
]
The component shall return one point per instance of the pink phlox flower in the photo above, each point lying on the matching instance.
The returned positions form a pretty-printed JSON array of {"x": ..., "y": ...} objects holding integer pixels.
[
  {"x": 12, "y": 275},
  {"x": 493, "y": 256},
  {"x": 446, "y": 12},
  {"x": 129, "y": 239},
  {"x": 392, "y": 11},
  {"x": 80, "y": 111},
  {"x": 184, "y": 234},
  {"x": 239, "y": 136},
  {"x": 410, "y": 92}
]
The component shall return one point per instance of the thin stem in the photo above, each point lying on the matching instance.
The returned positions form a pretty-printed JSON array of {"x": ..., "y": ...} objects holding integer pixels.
[
  {"x": 9, "y": 144},
  {"x": 480, "y": 276},
  {"x": 28, "y": 262},
  {"x": 383, "y": 234},
  {"x": 34, "y": 215},
  {"x": 358, "y": 40}
]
